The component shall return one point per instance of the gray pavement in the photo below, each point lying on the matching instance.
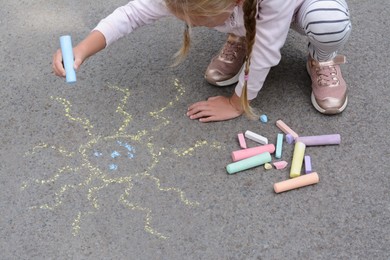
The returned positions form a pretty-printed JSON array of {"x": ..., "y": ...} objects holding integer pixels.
[{"x": 168, "y": 196}]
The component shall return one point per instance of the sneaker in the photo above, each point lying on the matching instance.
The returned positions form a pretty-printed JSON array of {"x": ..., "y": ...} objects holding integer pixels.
[
  {"x": 329, "y": 90},
  {"x": 224, "y": 69}
]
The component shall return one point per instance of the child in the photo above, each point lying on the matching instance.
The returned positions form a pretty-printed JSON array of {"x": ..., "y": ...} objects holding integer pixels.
[{"x": 257, "y": 30}]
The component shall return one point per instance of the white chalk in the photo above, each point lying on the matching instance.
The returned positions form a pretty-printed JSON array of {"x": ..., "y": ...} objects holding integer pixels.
[{"x": 256, "y": 137}]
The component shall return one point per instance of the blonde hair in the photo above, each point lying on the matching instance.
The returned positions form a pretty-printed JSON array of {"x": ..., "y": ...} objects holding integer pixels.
[
  {"x": 250, "y": 12},
  {"x": 188, "y": 8}
]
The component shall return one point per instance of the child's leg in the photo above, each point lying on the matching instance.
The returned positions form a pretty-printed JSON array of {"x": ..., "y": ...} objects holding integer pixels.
[
  {"x": 225, "y": 68},
  {"x": 327, "y": 25}
]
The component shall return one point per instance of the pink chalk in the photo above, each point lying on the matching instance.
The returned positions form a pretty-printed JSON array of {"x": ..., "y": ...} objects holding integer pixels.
[
  {"x": 280, "y": 165},
  {"x": 286, "y": 129},
  {"x": 241, "y": 139},
  {"x": 249, "y": 152},
  {"x": 320, "y": 139}
]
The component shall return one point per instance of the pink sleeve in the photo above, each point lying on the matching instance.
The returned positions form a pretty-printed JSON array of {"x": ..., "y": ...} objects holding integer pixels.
[
  {"x": 127, "y": 18},
  {"x": 272, "y": 27}
]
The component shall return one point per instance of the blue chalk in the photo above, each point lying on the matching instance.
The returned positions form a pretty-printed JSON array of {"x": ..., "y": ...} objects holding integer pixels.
[
  {"x": 68, "y": 58},
  {"x": 279, "y": 145},
  {"x": 264, "y": 118}
]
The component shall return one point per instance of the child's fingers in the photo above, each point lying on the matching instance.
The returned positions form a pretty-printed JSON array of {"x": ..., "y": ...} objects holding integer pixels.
[
  {"x": 58, "y": 67},
  {"x": 196, "y": 106},
  {"x": 77, "y": 63}
]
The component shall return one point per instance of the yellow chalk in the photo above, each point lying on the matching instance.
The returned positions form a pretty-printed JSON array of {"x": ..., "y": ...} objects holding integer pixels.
[{"x": 297, "y": 161}]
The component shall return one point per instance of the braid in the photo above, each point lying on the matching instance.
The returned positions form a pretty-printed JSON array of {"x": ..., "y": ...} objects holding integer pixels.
[
  {"x": 183, "y": 52},
  {"x": 250, "y": 11}
]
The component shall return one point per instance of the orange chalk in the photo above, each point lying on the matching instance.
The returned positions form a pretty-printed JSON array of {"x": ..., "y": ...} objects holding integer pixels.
[
  {"x": 286, "y": 129},
  {"x": 297, "y": 182}
]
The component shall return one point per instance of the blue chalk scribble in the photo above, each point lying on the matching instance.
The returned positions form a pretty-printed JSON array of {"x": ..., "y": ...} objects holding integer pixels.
[
  {"x": 130, "y": 149},
  {"x": 115, "y": 154},
  {"x": 113, "y": 167},
  {"x": 98, "y": 154}
]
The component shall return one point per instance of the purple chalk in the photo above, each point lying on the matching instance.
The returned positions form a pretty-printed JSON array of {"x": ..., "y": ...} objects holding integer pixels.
[
  {"x": 320, "y": 140},
  {"x": 289, "y": 138},
  {"x": 308, "y": 168}
]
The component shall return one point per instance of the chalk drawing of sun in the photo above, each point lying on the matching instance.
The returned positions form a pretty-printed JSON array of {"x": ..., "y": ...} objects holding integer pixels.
[{"x": 101, "y": 156}]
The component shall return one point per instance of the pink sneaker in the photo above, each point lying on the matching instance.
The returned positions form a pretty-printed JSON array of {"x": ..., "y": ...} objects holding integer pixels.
[
  {"x": 224, "y": 69},
  {"x": 329, "y": 90}
]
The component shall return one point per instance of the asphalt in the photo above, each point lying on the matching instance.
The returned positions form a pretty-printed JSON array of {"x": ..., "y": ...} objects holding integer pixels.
[{"x": 111, "y": 168}]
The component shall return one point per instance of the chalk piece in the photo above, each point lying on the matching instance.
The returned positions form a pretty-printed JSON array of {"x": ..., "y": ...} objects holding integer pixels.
[
  {"x": 280, "y": 165},
  {"x": 289, "y": 139},
  {"x": 295, "y": 183},
  {"x": 268, "y": 166},
  {"x": 279, "y": 146},
  {"x": 68, "y": 58},
  {"x": 264, "y": 118},
  {"x": 320, "y": 140},
  {"x": 249, "y": 152},
  {"x": 286, "y": 129},
  {"x": 248, "y": 163},
  {"x": 297, "y": 160},
  {"x": 256, "y": 137},
  {"x": 308, "y": 168},
  {"x": 241, "y": 140}
]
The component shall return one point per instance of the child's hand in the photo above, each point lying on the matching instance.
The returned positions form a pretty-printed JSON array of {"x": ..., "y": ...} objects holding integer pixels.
[
  {"x": 58, "y": 66},
  {"x": 216, "y": 109},
  {"x": 94, "y": 43}
]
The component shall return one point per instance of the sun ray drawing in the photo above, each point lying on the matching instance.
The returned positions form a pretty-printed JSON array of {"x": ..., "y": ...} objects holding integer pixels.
[{"x": 94, "y": 177}]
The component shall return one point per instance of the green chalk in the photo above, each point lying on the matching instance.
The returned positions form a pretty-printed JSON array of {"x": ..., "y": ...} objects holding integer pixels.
[
  {"x": 248, "y": 163},
  {"x": 279, "y": 145}
]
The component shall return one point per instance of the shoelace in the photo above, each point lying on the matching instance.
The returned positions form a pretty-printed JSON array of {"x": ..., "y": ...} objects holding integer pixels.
[
  {"x": 327, "y": 76},
  {"x": 229, "y": 51},
  {"x": 326, "y": 71}
]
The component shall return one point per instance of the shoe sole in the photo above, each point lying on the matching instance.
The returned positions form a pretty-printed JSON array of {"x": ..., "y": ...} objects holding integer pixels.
[
  {"x": 332, "y": 111},
  {"x": 229, "y": 81},
  {"x": 328, "y": 111}
]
